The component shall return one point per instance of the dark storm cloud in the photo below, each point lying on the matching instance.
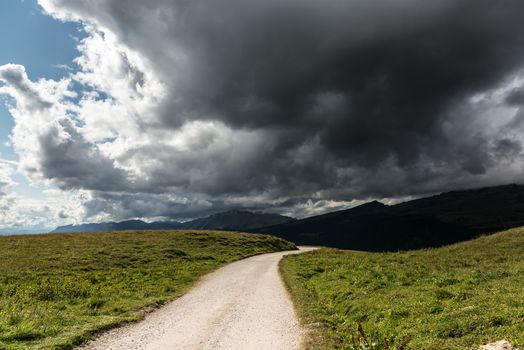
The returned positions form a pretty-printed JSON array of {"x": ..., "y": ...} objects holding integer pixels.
[
  {"x": 72, "y": 162},
  {"x": 516, "y": 97},
  {"x": 357, "y": 98},
  {"x": 517, "y": 123}
]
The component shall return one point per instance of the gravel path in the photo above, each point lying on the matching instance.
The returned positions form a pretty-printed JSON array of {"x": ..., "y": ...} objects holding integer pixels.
[{"x": 243, "y": 305}]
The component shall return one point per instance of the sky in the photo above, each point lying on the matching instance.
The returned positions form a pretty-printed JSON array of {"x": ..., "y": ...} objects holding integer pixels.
[{"x": 175, "y": 109}]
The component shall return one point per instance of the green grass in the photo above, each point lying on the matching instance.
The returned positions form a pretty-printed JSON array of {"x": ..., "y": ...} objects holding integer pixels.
[
  {"x": 455, "y": 297},
  {"x": 58, "y": 290}
]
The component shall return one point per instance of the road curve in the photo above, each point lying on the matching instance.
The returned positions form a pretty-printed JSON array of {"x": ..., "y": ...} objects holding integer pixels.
[{"x": 243, "y": 305}]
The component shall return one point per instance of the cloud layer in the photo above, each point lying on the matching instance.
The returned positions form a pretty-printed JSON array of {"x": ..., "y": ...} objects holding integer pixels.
[{"x": 179, "y": 108}]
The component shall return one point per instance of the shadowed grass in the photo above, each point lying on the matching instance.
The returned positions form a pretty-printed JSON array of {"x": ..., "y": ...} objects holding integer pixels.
[
  {"x": 57, "y": 290},
  {"x": 450, "y": 298}
]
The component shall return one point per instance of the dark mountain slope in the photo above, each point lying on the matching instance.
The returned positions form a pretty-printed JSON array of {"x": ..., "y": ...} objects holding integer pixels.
[
  {"x": 486, "y": 209},
  {"x": 427, "y": 222},
  {"x": 237, "y": 220}
]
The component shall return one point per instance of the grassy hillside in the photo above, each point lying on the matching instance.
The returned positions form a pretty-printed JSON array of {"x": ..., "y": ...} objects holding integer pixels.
[
  {"x": 455, "y": 297},
  {"x": 57, "y": 290}
]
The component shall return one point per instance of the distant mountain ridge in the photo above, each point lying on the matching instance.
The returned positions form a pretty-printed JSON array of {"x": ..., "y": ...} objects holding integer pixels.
[
  {"x": 119, "y": 226},
  {"x": 235, "y": 220},
  {"x": 427, "y": 222}
]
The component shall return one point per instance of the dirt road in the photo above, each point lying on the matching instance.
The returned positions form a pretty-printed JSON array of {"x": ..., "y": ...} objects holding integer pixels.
[{"x": 243, "y": 305}]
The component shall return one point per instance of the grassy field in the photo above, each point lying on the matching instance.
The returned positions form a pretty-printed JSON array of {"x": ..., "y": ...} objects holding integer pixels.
[
  {"x": 455, "y": 297},
  {"x": 57, "y": 290}
]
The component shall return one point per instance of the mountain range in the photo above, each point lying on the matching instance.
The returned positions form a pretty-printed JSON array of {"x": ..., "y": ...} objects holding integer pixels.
[
  {"x": 427, "y": 222},
  {"x": 234, "y": 220}
]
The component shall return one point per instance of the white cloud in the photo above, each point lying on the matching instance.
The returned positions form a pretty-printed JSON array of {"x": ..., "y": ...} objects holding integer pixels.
[
  {"x": 5, "y": 177},
  {"x": 22, "y": 212}
]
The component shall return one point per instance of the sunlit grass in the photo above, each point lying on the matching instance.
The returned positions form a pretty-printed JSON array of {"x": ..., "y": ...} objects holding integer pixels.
[
  {"x": 455, "y": 297},
  {"x": 57, "y": 290}
]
